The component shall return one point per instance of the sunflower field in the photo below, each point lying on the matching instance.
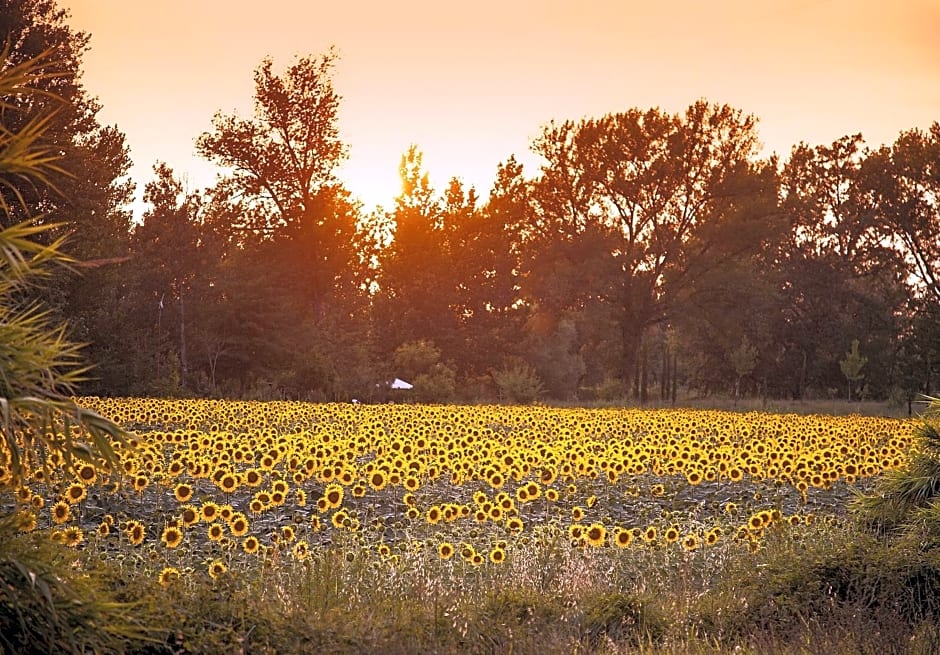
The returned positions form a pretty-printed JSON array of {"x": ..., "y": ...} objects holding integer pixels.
[{"x": 335, "y": 506}]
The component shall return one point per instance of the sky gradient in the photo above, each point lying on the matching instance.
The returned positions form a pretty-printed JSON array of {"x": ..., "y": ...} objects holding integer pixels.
[{"x": 472, "y": 83}]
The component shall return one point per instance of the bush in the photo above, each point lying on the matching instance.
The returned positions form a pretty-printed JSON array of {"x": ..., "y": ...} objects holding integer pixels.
[
  {"x": 518, "y": 383},
  {"x": 901, "y": 502},
  {"x": 50, "y": 602}
]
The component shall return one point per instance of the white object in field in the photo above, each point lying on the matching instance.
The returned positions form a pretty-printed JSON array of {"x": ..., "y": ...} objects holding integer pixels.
[{"x": 400, "y": 384}]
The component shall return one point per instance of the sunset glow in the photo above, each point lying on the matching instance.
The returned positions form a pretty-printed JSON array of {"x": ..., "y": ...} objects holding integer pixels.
[{"x": 470, "y": 88}]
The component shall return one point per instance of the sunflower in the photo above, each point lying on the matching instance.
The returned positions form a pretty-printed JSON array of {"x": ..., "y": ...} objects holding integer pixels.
[
  {"x": 140, "y": 482},
  {"x": 168, "y": 576},
  {"x": 300, "y": 497},
  {"x": 691, "y": 542},
  {"x": 477, "y": 559},
  {"x": 209, "y": 512},
  {"x": 189, "y": 515},
  {"x": 252, "y": 478},
  {"x": 301, "y": 550},
  {"x": 25, "y": 521},
  {"x": 377, "y": 479},
  {"x": 497, "y": 555},
  {"x": 216, "y": 532},
  {"x": 61, "y": 512},
  {"x": 280, "y": 485},
  {"x": 339, "y": 519},
  {"x": 533, "y": 490},
  {"x": 104, "y": 529},
  {"x": 251, "y": 545},
  {"x": 136, "y": 532},
  {"x": 73, "y": 536},
  {"x": 87, "y": 474},
  {"x": 434, "y": 515},
  {"x": 515, "y": 524},
  {"x": 172, "y": 537},
  {"x": 623, "y": 538},
  {"x": 256, "y": 507},
  {"x": 496, "y": 480},
  {"x": 75, "y": 493},
  {"x": 37, "y": 502},
  {"x": 287, "y": 533},
  {"x": 596, "y": 534},
  {"x": 333, "y": 494},
  {"x": 551, "y": 495},
  {"x": 713, "y": 536},
  {"x": 467, "y": 552},
  {"x": 24, "y": 495},
  {"x": 216, "y": 568},
  {"x": 229, "y": 482},
  {"x": 650, "y": 535},
  {"x": 238, "y": 524},
  {"x": 445, "y": 550},
  {"x": 183, "y": 492},
  {"x": 577, "y": 514}
]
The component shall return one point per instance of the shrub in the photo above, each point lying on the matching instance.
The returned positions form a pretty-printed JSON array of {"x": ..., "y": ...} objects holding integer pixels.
[{"x": 518, "y": 383}]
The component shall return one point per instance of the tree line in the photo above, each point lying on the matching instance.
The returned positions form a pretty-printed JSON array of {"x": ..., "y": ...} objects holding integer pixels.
[{"x": 652, "y": 254}]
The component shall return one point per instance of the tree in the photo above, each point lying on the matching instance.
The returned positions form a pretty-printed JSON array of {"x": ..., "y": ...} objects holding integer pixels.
[
  {"x": 744, "y": 360},
  {"x": 175, "y": 258},
  {"x": 903, "y": 183},
  {"x": 286, "y": 154},
  {"x": 418, "y": 276},
  {"x": 836, "y": 274},
  {"x": 852, "y": 366},
  {"x": 664, "y": 198}
]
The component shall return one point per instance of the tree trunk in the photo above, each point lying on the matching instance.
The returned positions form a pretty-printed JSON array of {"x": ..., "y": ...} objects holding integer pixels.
[
  {"x": 184, "y": 368},
  {"x": 664, "y": 375},
  {"x": 631, "y": 333},
  {"x": 674, "y": 378},
  {"x": 644, "y": 376}
]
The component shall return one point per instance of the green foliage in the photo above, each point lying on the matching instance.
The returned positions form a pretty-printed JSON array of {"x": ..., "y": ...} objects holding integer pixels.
[
  {"x": 611, "y": 389},
  {"x": 852, "y": 366},
  {"x": 50, "y": 602},
  {"x": 414, "y": 358},
  {"x": 418, "y": 362},
  {"x": 836, "y": 580},
  {"x": 39, "y": 367},
  {"x": 903, "y": 498},
  {"x": 518, "y": 383}
]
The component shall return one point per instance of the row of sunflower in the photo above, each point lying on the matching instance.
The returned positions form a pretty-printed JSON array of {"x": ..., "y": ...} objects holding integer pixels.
[{"x": 283, "y": 477}]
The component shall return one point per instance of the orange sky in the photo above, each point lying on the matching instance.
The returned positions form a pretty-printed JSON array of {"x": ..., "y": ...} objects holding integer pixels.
[{"x": 471, "y": 83}]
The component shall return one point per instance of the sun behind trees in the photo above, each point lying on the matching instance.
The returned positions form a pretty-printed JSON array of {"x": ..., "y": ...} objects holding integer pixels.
[
  {"x": 643, "y": 253},
  {"x": 635, "y": 262}
]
